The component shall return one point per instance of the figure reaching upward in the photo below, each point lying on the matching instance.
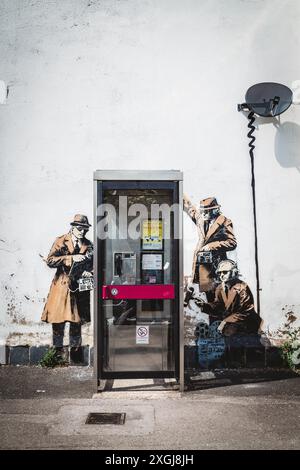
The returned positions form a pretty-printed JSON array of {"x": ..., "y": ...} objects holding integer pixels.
[{"x": 216, "y": 237}]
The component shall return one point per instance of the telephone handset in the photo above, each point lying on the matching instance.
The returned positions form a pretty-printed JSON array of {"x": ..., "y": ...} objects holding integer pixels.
[{"x": 124, "y": 264}]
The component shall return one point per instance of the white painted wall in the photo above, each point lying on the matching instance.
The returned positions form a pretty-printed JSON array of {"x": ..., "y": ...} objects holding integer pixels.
[{"x": 144, "y": 84}]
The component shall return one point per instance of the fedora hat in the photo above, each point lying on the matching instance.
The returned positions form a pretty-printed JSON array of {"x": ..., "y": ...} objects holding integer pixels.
[
  {"x": 81, "y": 220},
  {"x": 209, "y": 203}
]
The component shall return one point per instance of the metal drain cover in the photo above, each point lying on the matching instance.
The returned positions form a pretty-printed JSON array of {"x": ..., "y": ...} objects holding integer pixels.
[{"x": 105, "y": 418}]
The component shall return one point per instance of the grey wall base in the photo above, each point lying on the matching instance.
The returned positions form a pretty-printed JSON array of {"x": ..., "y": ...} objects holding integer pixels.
[
  {"x": 236, "y": 357},
  {"x": 32, "y": 355},
  {"x": 233, "y": 358}
]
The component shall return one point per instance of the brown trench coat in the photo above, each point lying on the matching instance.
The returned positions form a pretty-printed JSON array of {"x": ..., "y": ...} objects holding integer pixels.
[
  {"x": 62, "y": 304},
  {"x": 219, "y": 239},
  {"x": 239, "y": 302}
]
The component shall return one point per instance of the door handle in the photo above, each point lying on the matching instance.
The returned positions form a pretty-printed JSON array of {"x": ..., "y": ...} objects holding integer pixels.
[{"x": 141, "y": 291}]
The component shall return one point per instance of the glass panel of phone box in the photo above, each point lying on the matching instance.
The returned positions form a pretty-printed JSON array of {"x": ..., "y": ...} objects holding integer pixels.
[{"x": 144, "y": 259}]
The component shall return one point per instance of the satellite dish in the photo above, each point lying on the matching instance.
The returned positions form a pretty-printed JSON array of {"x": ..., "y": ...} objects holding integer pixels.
[{"x": 269, "y": 99}]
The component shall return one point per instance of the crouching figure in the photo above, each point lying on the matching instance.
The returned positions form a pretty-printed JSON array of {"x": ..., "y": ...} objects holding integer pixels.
[{"x": 233, "y": 303}]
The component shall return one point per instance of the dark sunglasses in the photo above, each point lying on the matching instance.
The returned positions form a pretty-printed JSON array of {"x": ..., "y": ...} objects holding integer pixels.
[
  {"x": 81, "y": 229},
  {"x": 224, "y": 272}
]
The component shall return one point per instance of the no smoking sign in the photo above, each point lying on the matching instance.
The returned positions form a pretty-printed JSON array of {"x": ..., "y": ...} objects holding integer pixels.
[{"x": 142, "y": 334}]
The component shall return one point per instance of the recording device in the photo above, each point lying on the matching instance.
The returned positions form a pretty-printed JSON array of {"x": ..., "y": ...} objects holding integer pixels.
[
  {"x": 77, "y": 281},
  {"x": 205, "y": 257},
  {"x": 86, "y": 283}
]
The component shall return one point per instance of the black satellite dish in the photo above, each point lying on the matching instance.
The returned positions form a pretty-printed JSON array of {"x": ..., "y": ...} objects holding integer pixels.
[{"x": 267, "y": 99}]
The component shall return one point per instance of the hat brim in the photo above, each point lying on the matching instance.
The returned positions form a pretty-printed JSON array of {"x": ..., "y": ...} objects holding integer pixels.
[
  {"x": 78, "y": 224},
  {"x": 209, "y": 208}
]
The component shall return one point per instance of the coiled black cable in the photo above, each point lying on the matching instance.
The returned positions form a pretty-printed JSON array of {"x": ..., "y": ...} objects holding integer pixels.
[{"x": 250, "y": 135}]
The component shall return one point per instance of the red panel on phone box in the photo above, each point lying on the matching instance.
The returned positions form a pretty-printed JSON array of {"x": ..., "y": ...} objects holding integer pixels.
[{"x": 157, "y": 291}]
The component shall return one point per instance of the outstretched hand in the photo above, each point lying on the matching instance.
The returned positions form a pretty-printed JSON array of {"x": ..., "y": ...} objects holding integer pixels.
[
  {"x": 233, "y": 318},
  {"x": 199, "y": 302},
  {"x": 87, "y": 274},
  {"x": 205, "y": 248},
  {"x": 78, "y": 258}
]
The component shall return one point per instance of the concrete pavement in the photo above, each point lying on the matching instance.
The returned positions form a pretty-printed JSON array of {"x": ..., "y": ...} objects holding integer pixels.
[{"x": 47, "y": 409}]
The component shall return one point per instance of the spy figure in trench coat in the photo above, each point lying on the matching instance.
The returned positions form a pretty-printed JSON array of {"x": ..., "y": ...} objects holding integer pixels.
[
  {"x": 233, "y": 303},
  {"x": 65, "y": 303},
  {"x": 216, "y": 237}
]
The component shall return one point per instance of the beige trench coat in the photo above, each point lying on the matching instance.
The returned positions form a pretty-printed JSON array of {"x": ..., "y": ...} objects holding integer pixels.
[
  {"x": 219, "y": 239},
  {"x": 238, "y": 305},
  {"x": 62, "y": 304}
]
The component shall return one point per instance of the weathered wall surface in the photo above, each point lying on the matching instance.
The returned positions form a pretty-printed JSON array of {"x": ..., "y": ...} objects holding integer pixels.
[{"x": 144, "y": 84}]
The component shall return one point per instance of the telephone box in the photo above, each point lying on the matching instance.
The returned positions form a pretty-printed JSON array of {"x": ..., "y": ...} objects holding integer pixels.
[{"x": 138, "y": 310}]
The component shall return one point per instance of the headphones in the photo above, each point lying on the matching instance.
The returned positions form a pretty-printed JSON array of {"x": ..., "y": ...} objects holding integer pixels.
[{"x": 233, "y": 267}]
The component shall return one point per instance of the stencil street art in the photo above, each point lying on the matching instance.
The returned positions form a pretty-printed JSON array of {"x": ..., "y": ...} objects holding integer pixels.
[
  {"x": 69, "y": 296},
  {"x": 218, "y": 304},
  {"x": 216, "y": 237}
]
